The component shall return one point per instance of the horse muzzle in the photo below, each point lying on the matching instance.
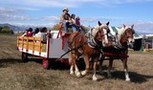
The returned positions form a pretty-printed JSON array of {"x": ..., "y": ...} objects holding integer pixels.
[{"x": 131, "y": 44}]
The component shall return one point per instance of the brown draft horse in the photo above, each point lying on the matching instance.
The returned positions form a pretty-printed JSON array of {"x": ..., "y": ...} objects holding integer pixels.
[
  {"x": 125, "y": 38},
  {"x": 80, "y": 46}
]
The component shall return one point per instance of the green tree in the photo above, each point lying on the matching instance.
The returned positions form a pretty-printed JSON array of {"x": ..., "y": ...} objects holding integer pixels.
[
  {"x": 0, "y": 28},
  {"x": 56, "y": 27},
  {"x": 6, "y": 30}
]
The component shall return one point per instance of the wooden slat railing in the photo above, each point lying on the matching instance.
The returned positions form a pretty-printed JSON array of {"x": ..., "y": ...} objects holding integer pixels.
[{"x": 31, "y": 43}]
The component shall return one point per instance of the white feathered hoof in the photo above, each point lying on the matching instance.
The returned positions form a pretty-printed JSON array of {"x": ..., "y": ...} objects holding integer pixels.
[
  {"x": 71, "y": 72},
  {"x": 94, "y": 78},
  {"x": 78, "y": 74},
  {"x": 128, "y": 79},
  {"x": 84, "y": 72}
]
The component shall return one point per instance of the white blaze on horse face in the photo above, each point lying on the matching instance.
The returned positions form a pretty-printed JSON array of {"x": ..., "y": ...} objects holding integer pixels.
[
  {"x": 130, "y": 40},
  {"x": 105, "y": 36}
]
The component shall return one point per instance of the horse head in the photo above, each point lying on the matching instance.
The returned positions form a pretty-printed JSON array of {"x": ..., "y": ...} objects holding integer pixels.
[
  {"x": 128, "y": 35},
  {"x": 100, "y": 32}
]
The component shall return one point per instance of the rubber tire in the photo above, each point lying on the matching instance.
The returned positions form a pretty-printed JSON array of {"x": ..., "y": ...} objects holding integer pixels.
[
  {"x": 46, "y": 63},
  {"x": 24, "y": 57}
]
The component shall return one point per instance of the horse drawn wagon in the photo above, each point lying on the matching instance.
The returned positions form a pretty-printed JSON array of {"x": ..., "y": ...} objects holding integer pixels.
[
  {"x": 79, "y": 45},
  {"x": 33, "y": 46}
]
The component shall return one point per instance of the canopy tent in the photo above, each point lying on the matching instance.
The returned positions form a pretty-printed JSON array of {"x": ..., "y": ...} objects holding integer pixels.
[{"x": 114, "y": 30}]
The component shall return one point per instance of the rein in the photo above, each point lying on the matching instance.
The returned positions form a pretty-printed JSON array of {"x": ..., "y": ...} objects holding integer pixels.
[
  {"x": 96, "y": 46},
  {"x": 69, "y": 50},
  {"x": 79, "y": 46}
]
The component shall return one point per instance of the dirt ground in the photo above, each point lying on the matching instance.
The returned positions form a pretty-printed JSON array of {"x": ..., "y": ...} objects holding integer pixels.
[{"x": 15, "y": 75}]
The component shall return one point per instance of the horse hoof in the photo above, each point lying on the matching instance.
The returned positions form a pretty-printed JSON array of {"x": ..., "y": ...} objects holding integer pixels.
[
  {"x": 71, "y": 72},
  {"x": 83, "y": 73},
  {"x": 128, "y": 80},
  {"x": 94, "y": 78},
  {"x": 78, "y": 74}
]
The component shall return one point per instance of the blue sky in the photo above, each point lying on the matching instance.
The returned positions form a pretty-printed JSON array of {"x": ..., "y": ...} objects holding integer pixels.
[{"x": 47, "y": 12}]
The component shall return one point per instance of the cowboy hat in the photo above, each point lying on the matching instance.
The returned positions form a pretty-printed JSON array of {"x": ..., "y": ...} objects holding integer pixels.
[{"x": 65, "y": 9}]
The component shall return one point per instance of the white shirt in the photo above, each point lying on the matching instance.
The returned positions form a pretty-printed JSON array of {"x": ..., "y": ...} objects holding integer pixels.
[{"x": 42, "y": 35}]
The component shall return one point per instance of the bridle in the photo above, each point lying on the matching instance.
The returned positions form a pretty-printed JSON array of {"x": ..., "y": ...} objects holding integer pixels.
[
  {"x": 129, "y": 32},
  {"x": 93, "y": 42}
]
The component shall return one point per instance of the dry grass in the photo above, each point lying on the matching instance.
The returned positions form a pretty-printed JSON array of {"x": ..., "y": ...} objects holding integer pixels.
[{"x": 15, "y": 75}]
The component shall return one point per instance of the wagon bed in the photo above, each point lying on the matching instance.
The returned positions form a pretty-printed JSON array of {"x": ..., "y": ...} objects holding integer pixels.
[{"x": 34, "y": 46}]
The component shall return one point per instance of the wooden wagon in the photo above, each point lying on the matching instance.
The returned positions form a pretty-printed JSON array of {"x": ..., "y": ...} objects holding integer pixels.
[{"x": 33, "y": 46}]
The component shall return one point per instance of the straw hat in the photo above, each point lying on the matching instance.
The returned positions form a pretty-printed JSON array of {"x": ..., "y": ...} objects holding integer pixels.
[{"x": 65, "y": 9}]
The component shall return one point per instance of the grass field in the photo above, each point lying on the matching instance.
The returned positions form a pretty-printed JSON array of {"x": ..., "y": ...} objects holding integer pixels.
[{"x": 15, "y": 75}]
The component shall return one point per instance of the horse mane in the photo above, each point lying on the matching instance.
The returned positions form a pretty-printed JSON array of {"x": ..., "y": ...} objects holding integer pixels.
[
  {"x": 95, "y": 29},
  {"x": 121, "y": 31}
]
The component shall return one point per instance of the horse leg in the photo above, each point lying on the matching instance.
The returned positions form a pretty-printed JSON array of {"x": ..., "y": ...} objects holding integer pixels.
[
  {"x": 94, "y": 71},
  {"x": 71, "y": 69},
  {"x": 86, "y": 60},
  {"x": 110, "y": 68},
  {"x": 77, "y": 72},
  {"x": 71, "y": 63},
  {"x": 100, "y": 66},
  {"x": 125, "y": 69}
]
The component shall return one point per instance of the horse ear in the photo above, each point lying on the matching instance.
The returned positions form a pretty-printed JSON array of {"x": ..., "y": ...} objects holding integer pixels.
[
  {"x": 107, "y": 23},
  {"x": 124, "y": 25},
  {"x": 99, "y": 23},
  {"x": 132, "y": 26}
]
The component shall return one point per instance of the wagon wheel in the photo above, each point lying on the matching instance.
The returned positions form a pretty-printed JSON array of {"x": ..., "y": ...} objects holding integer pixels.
[
  {"x": 24, "y": 57},
  {"x": 46, "y": 63}
]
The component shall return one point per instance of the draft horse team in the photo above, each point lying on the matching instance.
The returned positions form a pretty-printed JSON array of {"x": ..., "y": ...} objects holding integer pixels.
[{"x": 97, "y": 46}]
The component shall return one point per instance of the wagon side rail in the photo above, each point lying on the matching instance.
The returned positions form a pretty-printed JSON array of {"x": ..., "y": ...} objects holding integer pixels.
[{"x": 30, "y": 44}]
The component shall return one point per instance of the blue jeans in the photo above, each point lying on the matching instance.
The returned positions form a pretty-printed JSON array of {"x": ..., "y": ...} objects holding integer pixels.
[
  {"x": 66, "y": 24},
  {"x": 74, "y": 28}
]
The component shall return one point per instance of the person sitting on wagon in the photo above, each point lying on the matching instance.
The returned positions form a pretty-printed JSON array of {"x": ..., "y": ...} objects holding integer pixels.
[
  {"x": 36, "y": 31},
  {"x": 73, "y": 23},
  {"x": 28, "y": 33},
  {"x": 65, "y": 19},
  {"x": 42, "y": 33},
  {"x": 78, "y": 25}
]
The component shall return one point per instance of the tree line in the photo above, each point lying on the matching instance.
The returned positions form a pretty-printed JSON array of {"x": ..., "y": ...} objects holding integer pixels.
[{"x": 6, "y": 30}]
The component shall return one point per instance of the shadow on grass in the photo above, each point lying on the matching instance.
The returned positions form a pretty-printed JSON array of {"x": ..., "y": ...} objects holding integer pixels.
[
  {"x": 60, "y": 64},
  {"x": 4, "y": 62},
  {"x": 56, "y": 65},
  {"x": 135, "y": 77},
  {"x": 53, "y": 64},
  {"x": 63, "y": 65}
]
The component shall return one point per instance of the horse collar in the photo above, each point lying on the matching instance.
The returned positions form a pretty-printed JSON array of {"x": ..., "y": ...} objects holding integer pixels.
[{"x": 92, "y": 43}]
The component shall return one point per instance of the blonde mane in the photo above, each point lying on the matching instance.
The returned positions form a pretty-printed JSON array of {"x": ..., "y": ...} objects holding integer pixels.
[{"x": 121, "y": 31}]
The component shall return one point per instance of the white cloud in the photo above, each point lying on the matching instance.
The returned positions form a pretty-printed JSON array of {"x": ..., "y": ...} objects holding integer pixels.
[
  {"x": 17, "y": 13},
  {"x": 29, "y": 9},
  {"x": 8, "y": 17},
  {"x": 11, "y": 14},
  {"x": 31, "y": 25},
  {"x": 143, "y": 26},
  {"x": 9, "y": 10},
  {"x": 65, "y": 3},
  {"x": 50, "y": 18}
]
